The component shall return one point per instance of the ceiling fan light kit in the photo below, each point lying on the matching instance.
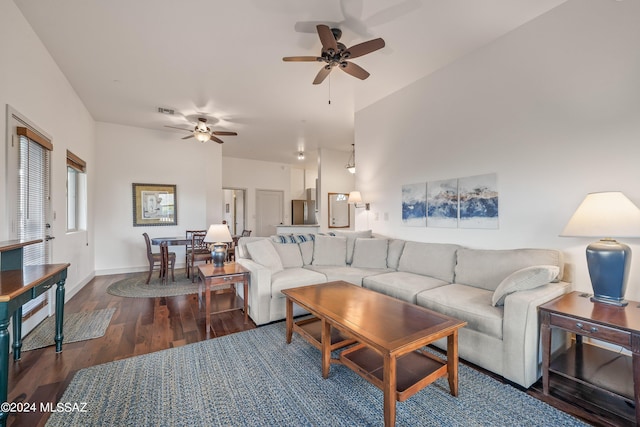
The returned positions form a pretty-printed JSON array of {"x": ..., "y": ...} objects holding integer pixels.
[
  {"x": 335, "y": 54},
  {"x": 203, "y": 133}
]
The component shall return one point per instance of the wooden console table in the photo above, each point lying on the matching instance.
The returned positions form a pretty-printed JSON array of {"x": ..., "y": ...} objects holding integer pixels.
[
  {"x": 18, "y": 285},
  {"x": 590, "y": 365}
]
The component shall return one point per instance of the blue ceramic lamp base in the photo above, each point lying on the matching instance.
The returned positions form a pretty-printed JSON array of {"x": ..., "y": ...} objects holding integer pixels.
[
  {"x": 219, "y": 254},
  {"x": 608, "y": 261}
]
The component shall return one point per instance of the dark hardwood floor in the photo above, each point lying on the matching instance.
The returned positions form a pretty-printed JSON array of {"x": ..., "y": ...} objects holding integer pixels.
[
  {"x": 145, "y": 325},
  {"x": 139, "y": 326}
]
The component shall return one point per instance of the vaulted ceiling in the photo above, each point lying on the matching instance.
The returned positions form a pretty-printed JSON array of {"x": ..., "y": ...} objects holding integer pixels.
[{"x": 223, "y": 60}]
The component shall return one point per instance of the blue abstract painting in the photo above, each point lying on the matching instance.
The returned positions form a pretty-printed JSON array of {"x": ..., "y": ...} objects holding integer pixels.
[
  {"x": 478, "y": 198},
  {"x": 414, "y": 205},
  {"x": 442, "y": 203}
]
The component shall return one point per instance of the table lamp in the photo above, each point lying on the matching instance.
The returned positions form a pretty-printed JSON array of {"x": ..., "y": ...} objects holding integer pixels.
[
  {"x": 218, "y": 235},
  {"x": 606, "y": 215}
]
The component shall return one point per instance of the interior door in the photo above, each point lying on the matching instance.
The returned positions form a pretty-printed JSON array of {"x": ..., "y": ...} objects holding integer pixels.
[{"x": 269, "y": 211}]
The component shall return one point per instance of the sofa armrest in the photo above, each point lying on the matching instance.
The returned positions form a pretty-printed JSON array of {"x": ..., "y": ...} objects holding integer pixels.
[
  {"x": 521, "y": 331},
  {"x": 259, "y": 290}
]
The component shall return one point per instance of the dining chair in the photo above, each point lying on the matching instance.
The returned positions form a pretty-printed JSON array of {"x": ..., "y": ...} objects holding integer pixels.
[
  {"x": 199, "y": 252},
  {"x": 245, "y": 233},
  {"x": 156, "y": 258}
]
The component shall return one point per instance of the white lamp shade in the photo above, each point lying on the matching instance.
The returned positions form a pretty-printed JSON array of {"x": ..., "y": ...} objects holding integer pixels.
[
  {"x": 354, "y": 197},
  {"x": 606, "y": 214},
  {"x": 218, "y": 233}
]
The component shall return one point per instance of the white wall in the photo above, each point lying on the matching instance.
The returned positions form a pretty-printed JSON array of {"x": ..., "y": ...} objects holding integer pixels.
[
  {"x": 553, "y": 108},
  {"x": 32, "y": 84},
  {"x": 133, "y": 155},
  {"x": 255, "y": 175},
  {"x": 334, "y": 178}
]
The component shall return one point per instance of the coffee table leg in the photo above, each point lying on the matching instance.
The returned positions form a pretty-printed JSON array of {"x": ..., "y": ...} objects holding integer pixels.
[
  {"x": 452, "y": 362},
  {"x": 389, "y": 390},
  {"x": 289, "y": 318},
  {"x": 326, "y": 348}
]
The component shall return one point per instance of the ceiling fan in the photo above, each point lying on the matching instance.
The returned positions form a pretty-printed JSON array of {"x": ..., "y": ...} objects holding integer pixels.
[
  {"x": 203, "y": 133},
  {"x": 335, "y": 54}
]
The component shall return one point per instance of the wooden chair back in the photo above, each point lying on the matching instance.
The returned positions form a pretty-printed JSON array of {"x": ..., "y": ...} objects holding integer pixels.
[{"x": 246, "y": 233}]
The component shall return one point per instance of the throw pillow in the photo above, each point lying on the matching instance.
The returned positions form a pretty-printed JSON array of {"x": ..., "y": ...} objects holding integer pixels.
[
  {"x": 526, "y": 278},
  {"x": 306, "y": 248},
  {"x": 265, "y": 254},
  {"x": 370, "y": 253},
  {"x": 329, "y": 250},
  {"x": 290, "y": 255}
]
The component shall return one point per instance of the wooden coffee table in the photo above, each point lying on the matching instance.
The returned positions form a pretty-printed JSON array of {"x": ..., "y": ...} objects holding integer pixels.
[{"x": 389, "y": 336}]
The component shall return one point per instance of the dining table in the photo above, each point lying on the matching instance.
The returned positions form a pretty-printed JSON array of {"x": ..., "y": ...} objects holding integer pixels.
[{"x": 164, "y": 242}]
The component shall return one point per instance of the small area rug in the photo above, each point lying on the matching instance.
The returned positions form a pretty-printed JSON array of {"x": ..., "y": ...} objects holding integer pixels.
[
  {"x": 135, "y": 286},
  {"x": 81, "y": 326},
  {"x": 254, "y": 378}
]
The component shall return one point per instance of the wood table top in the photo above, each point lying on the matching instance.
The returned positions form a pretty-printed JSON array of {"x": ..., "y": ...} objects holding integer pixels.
[
  {"x": 9, "y": 245},
  {"x": 209, "y": 270},
  {"x": 579, "y": 305},
  {"x": 383, "y": 321},
  {"x": 17, "y": 282}
]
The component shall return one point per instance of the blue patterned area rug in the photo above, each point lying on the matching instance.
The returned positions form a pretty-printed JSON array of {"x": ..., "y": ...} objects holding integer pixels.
[{"x": 254, "y": 378}]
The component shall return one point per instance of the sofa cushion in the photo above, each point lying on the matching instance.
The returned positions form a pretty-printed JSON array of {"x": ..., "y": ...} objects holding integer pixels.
[
  {"x": 263, "y": 252},
  {"x": 290, "y": 254},
  {"x": 429, "y": 259},
  {"x": 486, "y": 268},
  {"x": 351, "y": 240},
  {"x": 401, "y": 285},
  {"x": 292, "y": 278},
  {"x": 349, "y": 274},
  {"x": 241, "y": 248},
  {"x": 283, "y": 238},
  {"x": 526, "y": 278},
  {"x": 329, "y": 250},
  {"x": 370, "y": 253},
  {"x": 306, "y": 248},
  {"x": 394, "y": 252},
  {"x": 468, "y": 303}
]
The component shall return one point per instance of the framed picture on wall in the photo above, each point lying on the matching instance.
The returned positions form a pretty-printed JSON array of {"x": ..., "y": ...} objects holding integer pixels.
[{"x": 154, "y": 204}]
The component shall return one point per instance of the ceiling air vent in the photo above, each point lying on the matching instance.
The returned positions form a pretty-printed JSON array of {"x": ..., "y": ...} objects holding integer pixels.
[{"x": 168, "y": 111}]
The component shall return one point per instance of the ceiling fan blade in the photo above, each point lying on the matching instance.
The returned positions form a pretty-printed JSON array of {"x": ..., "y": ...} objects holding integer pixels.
[
  {"x": 322, "y": 74},
  {"x": 220, "y": 132},
  {"x": 218, "y": 140},
  {"x": 364, "y": 48},
  {"x": 326, "y": 38},
  {"x": 173, "y": 127},
  {"x": 354, "y": 70},
  {"x": 300, "y": 59},
  {"x": 187, "y": 137}
]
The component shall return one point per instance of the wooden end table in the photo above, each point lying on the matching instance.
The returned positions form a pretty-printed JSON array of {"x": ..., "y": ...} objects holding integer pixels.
[
  {"x": 590, "y": 365},
  {"x": 218, "y": 278}
]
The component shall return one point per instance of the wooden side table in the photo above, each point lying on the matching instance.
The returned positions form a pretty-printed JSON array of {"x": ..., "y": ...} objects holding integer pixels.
[
  {"x": 218, "y": 278},
  {"x": 594, "y": 366}
]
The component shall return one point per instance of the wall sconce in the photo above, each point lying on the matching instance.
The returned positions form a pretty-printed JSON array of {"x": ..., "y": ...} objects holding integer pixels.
[{"x": 356, "y": 198}]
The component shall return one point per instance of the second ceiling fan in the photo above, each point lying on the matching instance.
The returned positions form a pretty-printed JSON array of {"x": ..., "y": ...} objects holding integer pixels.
[
  {"x": 202, "y": 132},
  {"x": 335, "y": 54}
]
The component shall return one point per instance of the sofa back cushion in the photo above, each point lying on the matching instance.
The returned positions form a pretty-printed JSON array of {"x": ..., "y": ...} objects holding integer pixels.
[
  {"x": 429, "y": 259},
  {"x": 290, "y": 254},
  {"x": 330, "y": 250},
  {"x": 370, "y": 253},
  {"x": 486, "y": 268},
  {"x": 264, "y": 253},
  {"x": 351, "y": 240},
  {"x": 241, "y": 248}
]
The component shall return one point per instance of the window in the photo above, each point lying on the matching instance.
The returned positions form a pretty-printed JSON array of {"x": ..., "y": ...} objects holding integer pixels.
[{"x": 76, "y": 193}]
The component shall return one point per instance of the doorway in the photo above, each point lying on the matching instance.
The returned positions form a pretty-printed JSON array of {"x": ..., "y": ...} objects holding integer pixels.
[
  {"x": 234, "y": 209},
  {"x": 269, "y": 211}
]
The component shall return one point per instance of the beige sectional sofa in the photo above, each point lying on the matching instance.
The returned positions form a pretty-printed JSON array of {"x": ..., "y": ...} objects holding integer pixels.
[{"x": 497, "y": 292}]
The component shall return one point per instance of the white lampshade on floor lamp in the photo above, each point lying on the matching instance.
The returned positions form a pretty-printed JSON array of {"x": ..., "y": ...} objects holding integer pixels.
[
  {"x": 219, "y": 236},
  {"x": 606, "y": 215}
]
